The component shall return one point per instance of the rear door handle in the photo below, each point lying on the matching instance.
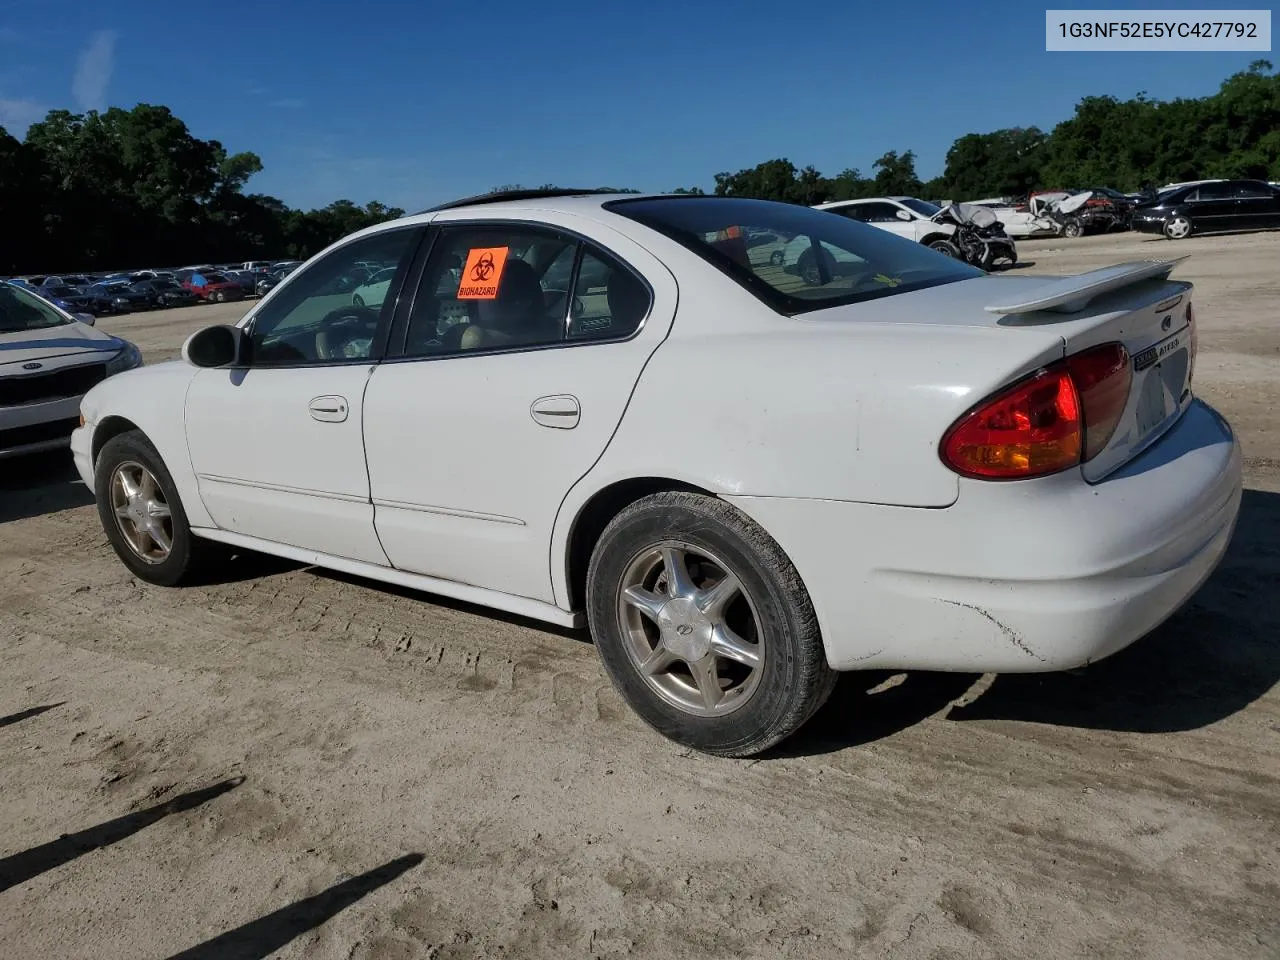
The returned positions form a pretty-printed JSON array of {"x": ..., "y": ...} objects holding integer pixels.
[
  {"x": 328, "y": 409},
  {"x": 561, "y": 412}
]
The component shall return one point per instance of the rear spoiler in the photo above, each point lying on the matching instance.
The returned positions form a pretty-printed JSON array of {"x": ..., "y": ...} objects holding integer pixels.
[{"x": 1073, "y": 294}]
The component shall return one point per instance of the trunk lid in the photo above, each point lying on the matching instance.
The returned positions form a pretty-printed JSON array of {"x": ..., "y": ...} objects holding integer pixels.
[{"x": 1135, "y": 304}]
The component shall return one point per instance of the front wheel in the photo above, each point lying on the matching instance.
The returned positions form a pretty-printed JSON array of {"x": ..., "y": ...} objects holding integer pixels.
[
  {"x": 141, "y": 514},
  {"x": 1177, "y": 228},
  {"x": 947, "y": 247},
  {"x": 704, "y": 625},
  {"x": 1072, "y": 229}
]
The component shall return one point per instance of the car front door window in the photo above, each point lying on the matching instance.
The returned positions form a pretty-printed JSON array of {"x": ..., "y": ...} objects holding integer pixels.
[{"x": 331, "y": 312}]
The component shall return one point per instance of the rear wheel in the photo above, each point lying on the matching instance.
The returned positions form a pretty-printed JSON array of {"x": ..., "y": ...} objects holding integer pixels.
[
  {"x": 142, "y": 514},
  {"x": 704, "y": 625}
]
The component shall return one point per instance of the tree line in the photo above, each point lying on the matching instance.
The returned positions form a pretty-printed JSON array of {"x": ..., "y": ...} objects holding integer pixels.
[
  {"x": 134, "y": 187},
  {"x": 1124, "y": 144}
]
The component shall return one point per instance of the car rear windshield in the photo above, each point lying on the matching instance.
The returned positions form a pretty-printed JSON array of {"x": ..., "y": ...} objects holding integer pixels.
[{"x": 796, "y": 259}]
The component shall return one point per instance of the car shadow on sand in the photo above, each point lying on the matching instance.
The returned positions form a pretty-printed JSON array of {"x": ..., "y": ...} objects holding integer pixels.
[
  {"x": 38, "y": 484},
  {"x": 1210, "y": 660}
]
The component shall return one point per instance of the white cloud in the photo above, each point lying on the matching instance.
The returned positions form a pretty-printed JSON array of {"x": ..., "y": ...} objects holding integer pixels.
[
  {"x": 17, "y": 115},
  {"x": 93, "y": 71}
]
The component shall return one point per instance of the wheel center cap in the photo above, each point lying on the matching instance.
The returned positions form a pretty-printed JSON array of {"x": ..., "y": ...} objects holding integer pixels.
[{"x": 686, "y": 631}]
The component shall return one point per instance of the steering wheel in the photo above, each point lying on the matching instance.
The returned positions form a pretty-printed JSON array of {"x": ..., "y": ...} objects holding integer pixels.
[{"x": 341, "y": 328}]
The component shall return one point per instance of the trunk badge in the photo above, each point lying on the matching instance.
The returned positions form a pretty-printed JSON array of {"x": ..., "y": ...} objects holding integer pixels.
[{"x": 32, "y": 366}]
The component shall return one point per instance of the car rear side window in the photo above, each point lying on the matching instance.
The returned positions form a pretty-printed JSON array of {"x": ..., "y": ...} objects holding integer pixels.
[
  {"x": 794, "y": 258},
  {"x": 506, "y": 287}
]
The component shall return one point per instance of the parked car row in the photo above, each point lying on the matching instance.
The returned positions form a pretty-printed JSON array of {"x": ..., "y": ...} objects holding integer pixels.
[
  {"x": 100, "y": 294},
  {"x": 1176, "y": 210}
]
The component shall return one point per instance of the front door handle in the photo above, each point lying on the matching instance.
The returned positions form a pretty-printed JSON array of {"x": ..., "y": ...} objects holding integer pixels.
[
  {"x": 328, "y": 409},
  {"x": 561, "y": 412}
]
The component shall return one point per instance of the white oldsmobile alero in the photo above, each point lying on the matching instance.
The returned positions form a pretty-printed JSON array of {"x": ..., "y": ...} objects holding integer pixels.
[{"x": 617, "y": 410}]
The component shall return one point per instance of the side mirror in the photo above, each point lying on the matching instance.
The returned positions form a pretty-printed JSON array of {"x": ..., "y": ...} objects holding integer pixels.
[
  {"x": 218, "y": 346},
  {"x": 88, "y": 319},
  {"x": 903, "y": 215}
]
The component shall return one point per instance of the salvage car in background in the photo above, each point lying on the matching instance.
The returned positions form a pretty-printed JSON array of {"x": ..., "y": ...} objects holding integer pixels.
[
  {"x": 907, "y": 217},
  {"x": 1211, "y": 207},
  {"x": 48, "y": 359},
  {"x": 741, "y": 481}
]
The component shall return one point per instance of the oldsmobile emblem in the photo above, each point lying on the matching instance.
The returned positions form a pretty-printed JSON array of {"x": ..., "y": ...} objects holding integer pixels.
[{"x": 33, "y": 365}]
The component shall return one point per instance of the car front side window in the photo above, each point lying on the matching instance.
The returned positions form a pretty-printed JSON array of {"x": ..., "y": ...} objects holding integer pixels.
[{"x": 331, "y": 311}]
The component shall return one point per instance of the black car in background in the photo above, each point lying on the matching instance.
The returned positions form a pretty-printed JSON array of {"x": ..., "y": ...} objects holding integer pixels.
[
  {"x": 80, "y": 300},
  {"x": 166, "y": 293},
  {"x": 1210, "y": 207}
]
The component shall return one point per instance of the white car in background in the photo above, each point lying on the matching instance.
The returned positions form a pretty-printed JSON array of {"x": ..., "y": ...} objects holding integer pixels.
[
  {"x": 908, "y": 217},
  {"x": 373, "y": 291},
  {"x": 48, "y": 359},
  {"x": 1019, "y": 222},
  {"x": 741, "y": 482}
]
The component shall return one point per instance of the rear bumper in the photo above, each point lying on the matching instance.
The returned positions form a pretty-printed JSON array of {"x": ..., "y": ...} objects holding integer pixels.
[{"x": 1018, "y": 577}]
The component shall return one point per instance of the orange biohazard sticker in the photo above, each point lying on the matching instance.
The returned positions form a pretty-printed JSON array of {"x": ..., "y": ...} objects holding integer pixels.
[{"x": 481, "y": 273}]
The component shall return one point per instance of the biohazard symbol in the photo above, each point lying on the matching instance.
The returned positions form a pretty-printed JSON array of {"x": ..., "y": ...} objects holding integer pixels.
[
  {"x": 483, "y": 268},
  {"x": 482, "y": 273}
]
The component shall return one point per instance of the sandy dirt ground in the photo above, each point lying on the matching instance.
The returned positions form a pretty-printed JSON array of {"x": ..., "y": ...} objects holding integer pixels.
[{"x": 299, "y": 764}]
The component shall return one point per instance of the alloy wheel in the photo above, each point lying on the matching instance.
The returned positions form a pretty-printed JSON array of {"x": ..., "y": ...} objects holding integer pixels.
[
  {"x": 690, "y": 629},
  {"x": 141, "y": 512}
]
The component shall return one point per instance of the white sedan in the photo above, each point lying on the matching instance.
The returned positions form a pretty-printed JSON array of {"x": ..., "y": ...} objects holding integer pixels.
[{"x": 741, "y": 482}]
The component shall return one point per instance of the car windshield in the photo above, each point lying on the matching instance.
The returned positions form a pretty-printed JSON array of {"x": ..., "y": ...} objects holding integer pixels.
[
  {"x": 922, "y": 207},
  {"x": 20, "y": 310},
  {"x": 62, "y": 291},
  {"x": 163, "y": 284},
  {"x": 795, "y": 258}
]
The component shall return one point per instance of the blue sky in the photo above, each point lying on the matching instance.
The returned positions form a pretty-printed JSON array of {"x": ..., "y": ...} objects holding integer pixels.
[{"x": 414, "y": 103}]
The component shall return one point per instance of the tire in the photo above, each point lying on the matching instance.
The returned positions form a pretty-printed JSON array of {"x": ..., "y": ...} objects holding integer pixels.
[
  {"x": 762, "y": 704},
  {"x": 187, "y": 554},
  {"x": 947, "y": 247},
  {"x": 1072, "y": 228},
  {"x": 776, "y": 258},
  {"x": 219, "y": 296},
  {"x": 1178, "y": 228},
  {"x": 357, "y": 300}
]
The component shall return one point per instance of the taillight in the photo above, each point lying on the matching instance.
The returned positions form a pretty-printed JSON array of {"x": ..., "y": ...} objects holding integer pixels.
[
  {"x": 1102, "y": 377},
  {"x": 1191, "y": 326},
  {"x": 1057, "y": 418}
]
